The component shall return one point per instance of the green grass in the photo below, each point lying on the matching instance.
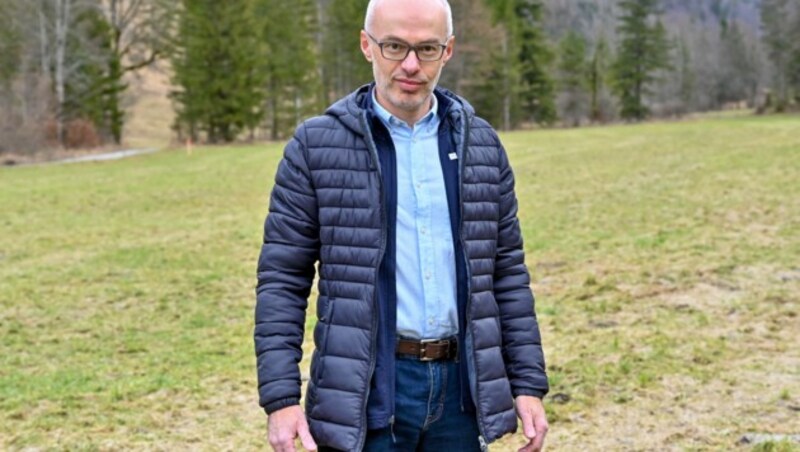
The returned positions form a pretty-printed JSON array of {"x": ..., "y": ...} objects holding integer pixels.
[{"x": 665, "y": 258}]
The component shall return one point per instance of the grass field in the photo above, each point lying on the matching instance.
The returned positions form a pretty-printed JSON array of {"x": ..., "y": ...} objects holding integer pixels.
[{"x": 665, "y": 258}]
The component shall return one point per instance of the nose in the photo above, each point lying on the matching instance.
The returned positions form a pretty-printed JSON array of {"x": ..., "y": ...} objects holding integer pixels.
[{"x": 411, "y": 63}]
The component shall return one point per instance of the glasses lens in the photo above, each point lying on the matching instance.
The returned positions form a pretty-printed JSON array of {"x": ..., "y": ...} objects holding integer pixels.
[
  {"x": 394, "y": 50},
  {"x": 429, "y": 52}
]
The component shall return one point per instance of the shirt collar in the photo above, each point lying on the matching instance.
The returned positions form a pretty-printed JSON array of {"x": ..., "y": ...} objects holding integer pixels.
[{"x": 392, "y": 121}]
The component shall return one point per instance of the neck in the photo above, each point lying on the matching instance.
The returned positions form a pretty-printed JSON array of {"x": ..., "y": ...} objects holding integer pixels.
[{"x": 407, "y": 116}]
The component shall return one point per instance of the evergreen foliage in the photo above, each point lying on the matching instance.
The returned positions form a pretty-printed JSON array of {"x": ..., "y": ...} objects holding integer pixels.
[
  {"x": 289, "y": 63},
  {"x": 94, "y": 93},
  {"x": 10, "y": 43},
  {"x": 517, "y": 86},
  {"x": 643, "y": 50},
  {"x": 538, "y": 91},
  {"x": 574, "y": 78},
  {"x": 343, "y": 65},
  {"x": 779, "y": 38},
  {"x": 794, "y": 61},
  {"x": 686, "y": 77},
  {"x": 599, "y": 72},
  {"x": 220, "y": 84},
  {"x": 737, "y": 79}
]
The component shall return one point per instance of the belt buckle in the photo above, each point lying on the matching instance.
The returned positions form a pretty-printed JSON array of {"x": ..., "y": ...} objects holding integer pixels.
[{"x": 423, "y": 347}]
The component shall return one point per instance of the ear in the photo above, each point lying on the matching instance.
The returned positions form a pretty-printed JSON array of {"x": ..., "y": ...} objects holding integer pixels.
[
  {"x": 448, "y": 51},
  {"x": 366, "y": 49}
]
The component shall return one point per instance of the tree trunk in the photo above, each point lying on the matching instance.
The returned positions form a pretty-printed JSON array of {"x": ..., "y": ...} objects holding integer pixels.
[
  {"x": 62, "y": 19},
  {"x": 506, "y": 84}
]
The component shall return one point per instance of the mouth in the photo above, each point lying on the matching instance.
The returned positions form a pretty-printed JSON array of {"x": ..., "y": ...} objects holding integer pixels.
[{"x": 410, "y": 85}]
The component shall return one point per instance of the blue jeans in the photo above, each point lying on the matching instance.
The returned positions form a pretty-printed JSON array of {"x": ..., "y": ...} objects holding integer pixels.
[{"x": 428, "y": 414}]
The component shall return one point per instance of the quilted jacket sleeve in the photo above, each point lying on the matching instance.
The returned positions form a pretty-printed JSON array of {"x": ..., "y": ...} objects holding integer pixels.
[
  {"x": 522, "y": 344},
  {"x": 285, "y": 275}
]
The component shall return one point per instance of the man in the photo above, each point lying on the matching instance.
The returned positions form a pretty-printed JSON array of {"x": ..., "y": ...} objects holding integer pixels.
[{"x": 426, "y": 336}]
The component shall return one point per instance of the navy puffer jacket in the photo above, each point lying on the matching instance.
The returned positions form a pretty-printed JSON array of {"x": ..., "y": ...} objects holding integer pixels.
[{"x": 327, "y": 206}]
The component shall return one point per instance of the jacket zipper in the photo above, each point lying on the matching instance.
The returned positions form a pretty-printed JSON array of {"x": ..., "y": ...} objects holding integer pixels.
[
  {"x": 468, "y": 316},
  {"x": 362, "y": 435}
]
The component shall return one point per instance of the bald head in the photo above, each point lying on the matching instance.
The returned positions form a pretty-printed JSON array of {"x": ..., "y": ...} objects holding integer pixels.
[{"x": 369, "y": 21}]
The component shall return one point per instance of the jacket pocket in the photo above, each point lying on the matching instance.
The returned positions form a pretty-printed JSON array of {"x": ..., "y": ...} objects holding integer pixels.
[{"x": 325, "y": 322}]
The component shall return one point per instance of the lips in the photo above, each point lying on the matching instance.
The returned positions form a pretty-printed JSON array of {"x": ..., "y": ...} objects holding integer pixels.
[{"x": 410, "y": 85}]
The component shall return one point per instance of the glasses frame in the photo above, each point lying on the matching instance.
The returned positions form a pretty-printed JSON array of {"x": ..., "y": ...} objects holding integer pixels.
[{"x": 414, "y": 48}]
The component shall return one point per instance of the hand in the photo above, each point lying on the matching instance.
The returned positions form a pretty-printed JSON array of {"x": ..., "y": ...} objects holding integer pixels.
[
  {"x": 534, "y": 422},
  {"x": 287, "y": 424}
]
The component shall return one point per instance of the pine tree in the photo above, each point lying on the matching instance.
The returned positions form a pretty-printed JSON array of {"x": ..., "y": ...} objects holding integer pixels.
[
  {"x": 289, "y": 63},
  {"x": 517, "y": 84},
  {"x": 343, "y": 65},
  {"x": 94, "y": 93},
  {"x": 217, "y": 70},
  {"x": 10, "y": 42},
  {"x": 573, "y": 79},
  {"x": 598, "y": 74},
  {"x": 538, "y": 91},
  {"x": 776, "y": 20},
  {"x": 643, "y": 50},
  {"x": 737, "y": 69},
  {"x": 686, "y": 81},
  {"x": 794, "y": 57}
]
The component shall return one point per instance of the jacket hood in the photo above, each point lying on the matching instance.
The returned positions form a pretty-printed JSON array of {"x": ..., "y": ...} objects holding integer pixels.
[{"x": 350, "y": 109}]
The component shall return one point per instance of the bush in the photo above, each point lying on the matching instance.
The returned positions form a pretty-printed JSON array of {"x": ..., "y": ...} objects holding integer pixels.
[{"x": 81, "y": 134}]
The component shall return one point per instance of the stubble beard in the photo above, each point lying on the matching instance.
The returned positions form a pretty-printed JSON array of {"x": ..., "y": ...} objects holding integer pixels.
[{"x": 404, "y": 101}]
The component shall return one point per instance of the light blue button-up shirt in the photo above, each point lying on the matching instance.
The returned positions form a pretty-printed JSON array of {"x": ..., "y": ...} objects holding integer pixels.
[{"x": 425, "y": 259}]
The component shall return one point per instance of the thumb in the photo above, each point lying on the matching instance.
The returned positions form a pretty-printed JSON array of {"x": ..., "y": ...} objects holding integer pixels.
[
  {"x": 305, "y": 435},
  {"x": 526, "y": 417}
]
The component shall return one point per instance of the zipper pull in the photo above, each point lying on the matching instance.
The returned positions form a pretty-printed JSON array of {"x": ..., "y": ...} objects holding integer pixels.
[
  {"x": 391, "y": 429},
  {"x": 482, "y": 442}
]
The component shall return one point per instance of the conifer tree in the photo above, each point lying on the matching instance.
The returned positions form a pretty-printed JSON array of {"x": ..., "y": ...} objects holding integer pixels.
[
  {"x": 538, "y": 90},
  {"x": 737, "y": 76},
  {"x": 217, "y": 70},
  {"x": 643, "y": 50},
  {"x": 517, "y": 85},
  {"x": 778, "y": 37},
  {"x": 344, "y": 67},
  {"x": 794, "y": 59},
  {"x": 686, "y": 81},
  {"x": 573, "y": 80},
  {"x": 598, "y": 75},
  {"x": 10, "y": 42},
  {"x": 290, "y": 67},
  {"x": 95, "y": 92}
]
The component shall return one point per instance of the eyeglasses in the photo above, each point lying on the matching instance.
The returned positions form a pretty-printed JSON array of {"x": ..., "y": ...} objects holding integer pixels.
[{"x": 399, "y": 50}]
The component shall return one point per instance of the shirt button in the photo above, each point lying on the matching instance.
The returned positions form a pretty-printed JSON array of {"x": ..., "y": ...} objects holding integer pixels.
[
  {"x": 430, "y": 321},
  {"x": 427, "y": 275},
  {"x": 423, "y": 231}
]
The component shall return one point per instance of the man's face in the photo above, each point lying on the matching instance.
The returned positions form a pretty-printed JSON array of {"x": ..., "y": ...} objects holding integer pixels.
[{"x": 404, "y": 87}]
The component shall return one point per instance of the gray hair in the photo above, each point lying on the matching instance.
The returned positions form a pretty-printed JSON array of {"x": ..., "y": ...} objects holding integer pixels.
[{"x": 371, "y": 14}]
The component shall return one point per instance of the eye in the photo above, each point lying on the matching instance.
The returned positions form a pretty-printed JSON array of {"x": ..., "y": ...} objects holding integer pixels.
[
  {"x": 394, "y": 47},
  {"x": 429, "y": 49}
]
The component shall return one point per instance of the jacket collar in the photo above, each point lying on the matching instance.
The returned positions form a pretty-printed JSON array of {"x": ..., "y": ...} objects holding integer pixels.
[{"x": 350, "y": 109}]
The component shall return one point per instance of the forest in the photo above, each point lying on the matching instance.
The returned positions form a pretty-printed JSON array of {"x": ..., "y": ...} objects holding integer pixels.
[{"x": 252, "y": 69}]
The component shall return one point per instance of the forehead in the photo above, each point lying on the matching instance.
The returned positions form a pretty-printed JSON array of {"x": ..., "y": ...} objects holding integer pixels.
[{"x": 411, "y": 20}]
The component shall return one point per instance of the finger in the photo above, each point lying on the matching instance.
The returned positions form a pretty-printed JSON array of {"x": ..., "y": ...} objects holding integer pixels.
[
  {"x": 305, "y": 436},
  {"x": 527, "y": 423},
  {"x": 541, "y": 426},
  {"x": 527, "y": 448}
]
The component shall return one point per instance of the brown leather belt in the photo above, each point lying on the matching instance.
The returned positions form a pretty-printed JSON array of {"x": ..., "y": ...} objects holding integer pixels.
[{"x": 428, "y": 349}]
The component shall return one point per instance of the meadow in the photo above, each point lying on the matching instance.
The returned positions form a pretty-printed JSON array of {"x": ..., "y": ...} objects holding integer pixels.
[{"x": 665, "y": 258}]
